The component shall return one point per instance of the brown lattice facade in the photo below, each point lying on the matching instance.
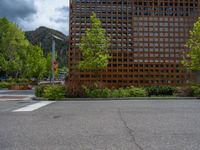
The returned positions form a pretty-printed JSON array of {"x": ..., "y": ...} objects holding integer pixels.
[{"x": 147, "y": 39}]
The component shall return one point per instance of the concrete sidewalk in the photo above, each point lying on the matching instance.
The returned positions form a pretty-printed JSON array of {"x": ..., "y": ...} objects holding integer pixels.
[
  {"x": 10, "y": 95},
  {"x": 15, "y": 97}
]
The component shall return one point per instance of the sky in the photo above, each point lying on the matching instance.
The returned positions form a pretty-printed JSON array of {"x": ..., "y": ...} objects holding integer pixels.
[{"x": 30, "y": 14}]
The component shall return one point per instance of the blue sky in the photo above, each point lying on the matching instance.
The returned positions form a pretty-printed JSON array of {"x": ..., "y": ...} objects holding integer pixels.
[{"x": 30, "y": 14}]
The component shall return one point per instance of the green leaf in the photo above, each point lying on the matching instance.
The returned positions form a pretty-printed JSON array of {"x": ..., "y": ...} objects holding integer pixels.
[
  {"x": 94, "y": 47},
  {"x": 192, "y": 59}
]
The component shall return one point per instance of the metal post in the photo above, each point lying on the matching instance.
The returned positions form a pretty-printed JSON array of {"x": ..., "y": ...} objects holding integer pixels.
[
  {"x": 53, "y": 53},
  {"x": 53, "y": 59}
]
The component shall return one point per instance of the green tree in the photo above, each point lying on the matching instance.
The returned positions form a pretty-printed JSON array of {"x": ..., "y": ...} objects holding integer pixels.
[
  {"x": 13, "y": 46},
  {"x": 63, "y": 72},
  {"x": 35, "y": 63},
  {"x": 192, "y": 60},
  {"x": 18, "y": 57},
  {"x": 94, "y": 47}
]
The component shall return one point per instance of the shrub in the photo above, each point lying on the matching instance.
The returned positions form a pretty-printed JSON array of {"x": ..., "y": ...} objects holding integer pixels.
[
  {"x": 115, "y": 93},
  {"x": 196, "y": 91},
  {"x": 54, "y": 92},
  {"x": 137, "y": 92},
  {"x": 160, "y": 90},
  {"x": 129, "y": 92},
  {"x": 39, "y": 90},
  {"x": 184, "y": 91},
  {"x": 152, "y": 90},
  {"x": 106, "y": 92},
  {"x": 121, "y": 92},
  {"x": 97, "y": 93},
  {"x": 5, "y": 85},
  {"x": 77, "y": 88}
]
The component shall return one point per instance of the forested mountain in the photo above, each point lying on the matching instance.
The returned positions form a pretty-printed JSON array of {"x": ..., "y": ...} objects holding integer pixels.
[{"x": 42, "y": 37}]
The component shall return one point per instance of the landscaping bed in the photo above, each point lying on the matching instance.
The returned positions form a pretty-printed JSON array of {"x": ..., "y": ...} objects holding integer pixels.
[
  {"x": 17, "y": 84},
  {"x": 97, "y": 92}
]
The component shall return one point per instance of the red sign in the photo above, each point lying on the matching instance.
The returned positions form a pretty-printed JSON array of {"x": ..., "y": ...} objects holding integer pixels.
[{"x": 54, "y": 66}]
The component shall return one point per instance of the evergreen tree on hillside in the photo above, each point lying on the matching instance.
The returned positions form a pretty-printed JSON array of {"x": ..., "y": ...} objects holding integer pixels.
[{"x": 42, "y": 37}]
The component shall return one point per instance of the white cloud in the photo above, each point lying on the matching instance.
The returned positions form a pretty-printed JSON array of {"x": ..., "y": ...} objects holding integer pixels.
[{"x": 48, "y": 15}]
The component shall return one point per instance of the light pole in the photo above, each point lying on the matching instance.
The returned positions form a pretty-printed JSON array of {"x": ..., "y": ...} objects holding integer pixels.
[{"x": 53, "y": 54}]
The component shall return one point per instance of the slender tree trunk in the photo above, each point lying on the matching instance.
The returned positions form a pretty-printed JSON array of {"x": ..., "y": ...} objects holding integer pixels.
[{"x": 16, "y": 75}]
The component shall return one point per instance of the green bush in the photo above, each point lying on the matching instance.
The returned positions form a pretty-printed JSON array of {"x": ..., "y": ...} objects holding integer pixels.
[
  {"x": 121, "y": 92},
  {"x": 105, "y": 93},
  {"x": 160, "y": 90},
  {"x": 5, "y": 85},
  {"x": 115, "y": 93},
  {"x": 136, "y": 92},
  {"x": 39, "y": 90},
  {"x": 129, "y": 92},
  {"x": 97, "y": 93},
  {"x": 54, "y": 92},
  {"x": 196, "y": 91}
]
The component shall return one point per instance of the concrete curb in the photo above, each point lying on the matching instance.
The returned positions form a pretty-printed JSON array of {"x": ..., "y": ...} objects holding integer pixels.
[{"x": 113, "y": 99}]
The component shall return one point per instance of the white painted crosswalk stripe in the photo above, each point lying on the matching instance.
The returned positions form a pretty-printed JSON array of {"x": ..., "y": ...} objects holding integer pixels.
[{"x": 33, "y": 107}]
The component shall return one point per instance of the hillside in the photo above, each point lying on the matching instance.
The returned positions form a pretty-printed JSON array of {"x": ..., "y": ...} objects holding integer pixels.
[{"x": 42, "y": 37}]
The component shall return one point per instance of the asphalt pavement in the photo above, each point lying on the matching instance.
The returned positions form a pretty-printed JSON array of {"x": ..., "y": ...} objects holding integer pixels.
[{"x": 101, "y": 125}]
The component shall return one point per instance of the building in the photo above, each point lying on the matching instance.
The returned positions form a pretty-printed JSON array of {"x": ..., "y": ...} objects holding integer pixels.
[{"x": 147, "y": 39}]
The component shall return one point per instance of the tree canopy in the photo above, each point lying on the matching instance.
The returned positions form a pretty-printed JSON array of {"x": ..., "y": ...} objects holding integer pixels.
[
  {"x": 94, "y": 46},
  {"x": 35, "y": 62},
  {"x": 192, "y": 61},
  {"x": 12, "y": 47},
  {"x": 18, "y": 58}
]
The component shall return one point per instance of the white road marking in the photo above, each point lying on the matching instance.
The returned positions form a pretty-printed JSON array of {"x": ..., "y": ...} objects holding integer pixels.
[
  {"x": 33, "y": 107},
  {"x": 14, "y": 97}
]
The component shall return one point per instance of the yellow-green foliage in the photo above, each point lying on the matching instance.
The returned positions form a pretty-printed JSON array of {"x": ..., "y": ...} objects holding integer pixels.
[
  {"x": 196, "y": 91},
  {"x": 54, "y": 92},
  {"x": 192, "y": 61},
  {"x": 94, "y": 46},
  {"x": 51, "y": 91},
  {"x": 18, "y": 58},
  {"x": 121, "y": 92}
]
